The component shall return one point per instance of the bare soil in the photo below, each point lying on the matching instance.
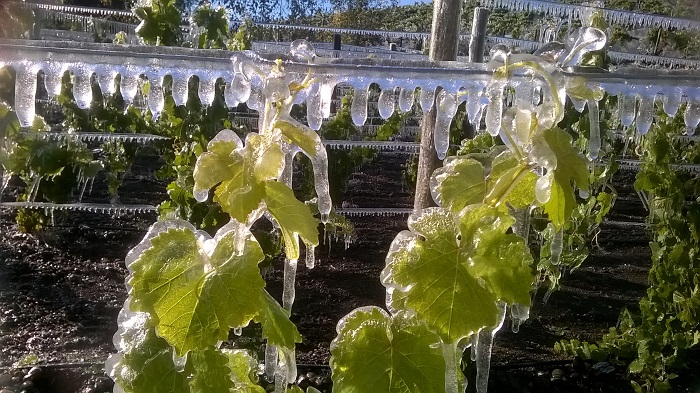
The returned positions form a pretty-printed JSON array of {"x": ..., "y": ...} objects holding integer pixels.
[{"x": 61, "y": 290}]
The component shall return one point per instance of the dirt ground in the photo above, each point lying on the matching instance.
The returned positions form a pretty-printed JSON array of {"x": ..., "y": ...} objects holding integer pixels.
[{"x": 61, "y": 290}]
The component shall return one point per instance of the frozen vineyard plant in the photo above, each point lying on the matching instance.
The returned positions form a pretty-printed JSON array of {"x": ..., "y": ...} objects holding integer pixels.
[{"x": 188, "y": 289}]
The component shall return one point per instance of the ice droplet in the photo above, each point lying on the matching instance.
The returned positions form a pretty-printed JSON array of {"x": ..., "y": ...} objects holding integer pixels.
[
  {"x": 25, "y": 92},
  {"x": 156, "y": 100},
  {"x": 426, "y": 98},
  {"x": 180, "y": 89},
  {"x": 692, "y": 115},
  {"x": 646, "y": 114},
  {"x": 406, "y": 99},
  {"x": 240, "y": 88},
  {"x": 386, "y": 103},
  {"x": 358, "y": 108},
  {"x": 594, "y": 131},
  {"x": 627, "y": 107},
  {"x": 82, "y": 88},
  {"x": 288, "y": 291},
  {"x": 201, "y": 195},
  {"x": 302, "y": 51},
  {"x": 207, "y": 90}
]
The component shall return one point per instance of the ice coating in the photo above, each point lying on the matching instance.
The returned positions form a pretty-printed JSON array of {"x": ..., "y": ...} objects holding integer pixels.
[
  {"x": 386, "y": 103},
  {"x": 406, "y": 99},
  {"x": 557, "y": 246},
  {"x": 627, "y": 106},
  {"x": 594, "y": 131},
  {"x": 646, "y": 113},
  {"x": 426, "y": 98},
  {"x": 25, "y": 91},
  {"x": 207, "y": 89},
  {"x": 256, "y": 100},
  {"x": 180, "y": 89},
  {"x": 288, "y": 291},
  {"x": 358, "y": 108},
  {"x": 302, "y": 51},
  {"x": 156, "y": 100},
  {"x": 446, "y": 109},
  {"x": 226, "y": 135},
  {"x": 483, "y": 351},
  {"x": 584, "y": 40},
  {"x": 82, "y": 88}
]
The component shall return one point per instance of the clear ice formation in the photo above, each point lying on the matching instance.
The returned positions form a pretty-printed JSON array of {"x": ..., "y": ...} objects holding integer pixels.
[
  {"x": 594, "y": 131},
  {"x": 135, "y": 63},
  {"x": 483, "y": 351}
]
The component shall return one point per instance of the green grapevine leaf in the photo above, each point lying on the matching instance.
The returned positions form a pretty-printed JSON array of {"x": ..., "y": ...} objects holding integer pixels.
[
  {"x": 435, "y": 269},
  {"x": 375, "y": 352},
  {"x": 147, "y": 361},
  {"x": 243, "y": 368},
  {"x": 571, "y": 167},
  {"x": 460, "y": 182},
  {"x": 210, "y": 371},
  {"x": 277, "y": 328},
  {"x": 294, "y": 217},
  {"x": 504, "y": 179},
  {"x": 300, "y": 135},
  {"x": 196, "y": 291}
]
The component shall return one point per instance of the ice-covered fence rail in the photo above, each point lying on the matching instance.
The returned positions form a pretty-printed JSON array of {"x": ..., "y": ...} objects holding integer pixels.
[
  {"x": 90, "y": 23},
  {"x": 378, "y": 145},
  {"x": 87, "y": 207},
  {"x": 97, "y": 136},
  {"x": 374, "y": 211},
  {"x": 612, "y": 16},
  {"x": 75, "y": 9},
  {"x": 106, "y": 61}
]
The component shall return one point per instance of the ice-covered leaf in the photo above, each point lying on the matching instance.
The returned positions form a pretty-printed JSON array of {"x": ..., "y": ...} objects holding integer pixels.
[
  {"x": 294, "y": 218},
  {"x": 147, "y": 364},
  {"x": 460, "y": 182},
  {"x": 209, "y": 371},
  {"x": 508, "y": 177},
  {"x": 240, "y": 172},
  {"x": 302, "y": 136},
  {"x": 571, "y": 168},
  {"x": 430, "y": 274},
  {"x": 437, "y": 269},
  {"x": 502, "y": 260},
  {"x": 277, "y": 328},
  {"x": 195, "y": 289},
  {"x": 376, "y": 352},
  {"x": 243, "y": 368}
]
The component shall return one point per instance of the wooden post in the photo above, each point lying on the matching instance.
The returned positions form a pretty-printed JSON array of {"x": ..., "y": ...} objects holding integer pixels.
[
  {"x": 444, "y": 38},
  {"x": 477, "y": 46}
]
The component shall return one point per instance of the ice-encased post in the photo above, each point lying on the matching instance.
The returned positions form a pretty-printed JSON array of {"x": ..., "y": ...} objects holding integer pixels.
[
  {"x": 444, "y": 38},
  {"x": 477, "y": 41}
]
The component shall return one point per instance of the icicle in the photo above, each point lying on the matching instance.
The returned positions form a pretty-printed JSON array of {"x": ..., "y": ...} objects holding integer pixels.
[
  {"x": 671, "y": 101},
  {"x": 105, "y": 80},
  {"x": 288, "y": 365},
  {"x": 519, "y": 314},
  {"x": 406, "y": 99},
  {"x": 386, "y": 103},
  {"x": 82, "y": 87},
  {"x": 426, "y": 98},
  {"x": 692, "y": 115},
  {"x": 326, "y": 93},
  {"x": 447, "y": 107},
  {"x": 288, "y": 292},
  {"x": 521, "y": 227},
  {"x": 25, "y": 91},
  {"x": 358, "y": 108},
  {"x": 271, "y": 356},
  {"x": 207, "y": 89},
  {"x": 230, "y": 96},
  {"x": 578, "y": 104},
  {"x": 310, "y": 256},
  {"x": 547, "y": 295},
  {"x": 256, "y": 101},
  {"x": 494, "y": 110},
  {"x": 53, "y": 77},
  {"x": 449, "y": 352},
  {"x": 4, "y": 180},
  {"x": 627, "y": 107},
  {"x": 129, "y": 87},
  {"x": 155, "y": 100},
  {"x": 483, "y": 352},
  {"x": 646, "y": 113},
  {"x": 474, "y": 346},
  {"x": 34, "y": 189},
  {"x": 314, "y": 112},
  {"x": 180, "y": 89},
  {"x": 594, "y": 129},
  {"x": 473, "y": 106},
  {"x": 557, "y": 246}
]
